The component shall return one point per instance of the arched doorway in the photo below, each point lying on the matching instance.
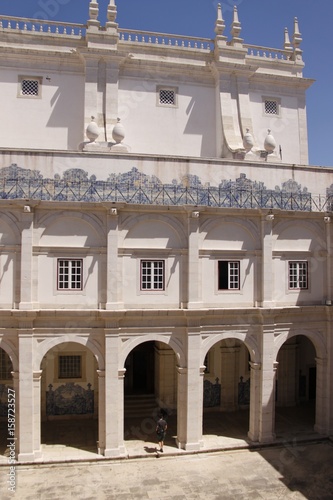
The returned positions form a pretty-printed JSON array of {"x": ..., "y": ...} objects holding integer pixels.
[
  {"x": 226, "y": 398},
  {"x": 150, "y": 386},
  {"x": 295, "y": 392},
  {"x": 6, "y": 388},
  {"x": 69, "y": 399}
]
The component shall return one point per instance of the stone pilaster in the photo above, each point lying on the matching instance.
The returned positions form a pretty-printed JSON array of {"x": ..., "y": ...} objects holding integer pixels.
[
  {"x": 286, "y": 375},
  {"x": 111, "y": 96},
  {"x": 113, "y": 280},
  {"x": 26, "y": 259},
  {"x": 101, "y": 412},
  {"x": 255, "y": 409},
  {"x": 267, "y": 392},
  {"x": 267, "y": 260},
  {"x": 181, "y": 407},
  {"x": 194, "y": 274},
  {"x": 323, "y": 397},
  {"x": 37, "y": 375}
]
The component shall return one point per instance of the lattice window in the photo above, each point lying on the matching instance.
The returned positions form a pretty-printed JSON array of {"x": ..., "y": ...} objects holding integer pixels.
[
  {"x": 70, "y": 366},
  {"x": 152, "y": 275},
  {"x": 271, "y": 107},
  {"x": 30, "y": 87},
  {"x": 167, "y": 97},
  {"x": 70, "y": 274},
  {"x": 298, "y": 275},
  {"x": 228, "y": 275},
  {"x": 6, "y": 366}
]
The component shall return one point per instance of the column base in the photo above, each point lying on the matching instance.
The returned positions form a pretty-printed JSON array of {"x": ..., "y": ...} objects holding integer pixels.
[
  {"x": 115, "y": 452},
  {"x": 26, "y": 457},
  {"x": 267, "y": 439},
  {"x": 192, "y": 446}
]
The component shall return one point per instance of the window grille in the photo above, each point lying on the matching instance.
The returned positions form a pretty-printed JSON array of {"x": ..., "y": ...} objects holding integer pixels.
[
  {"x": 30, "y": 87},
  {"x": 70, "y": 274},
  {"x": 152, "y": 275},
  {"x": 69, "y": 367},
  {"x": 298, "y": 275},
  {"x": 167, "y": 97},
  {"x": 228, "y": 275},
  {"x": 271, "y": 107},
  {"x": 6, "y": 366}
]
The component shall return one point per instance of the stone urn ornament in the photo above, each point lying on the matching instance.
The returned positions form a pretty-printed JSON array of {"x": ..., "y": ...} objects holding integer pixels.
[
  {"x": 269, "y": 143},
  {"x": 248, "y": 141},
  {"x": 92, "y": 131},
  {"x": 118, "y": 132}
]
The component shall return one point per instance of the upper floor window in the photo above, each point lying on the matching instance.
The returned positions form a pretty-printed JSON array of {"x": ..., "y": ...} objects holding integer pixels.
[
  {"x": 271, "y": 106},
  {"x": 167, "y": 96},
  {"x": 70, "y": 274},
  {"x": 298, "y": 275},
  {"x": 228, "y": 275},
  {"x": 70, "y": 366},
  {"x": 152, "y": 275},
  {"x": 30, "y": 86}
]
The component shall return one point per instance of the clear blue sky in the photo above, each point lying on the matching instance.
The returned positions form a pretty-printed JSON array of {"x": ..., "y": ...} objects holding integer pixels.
[{"x": 263, "y": 23}]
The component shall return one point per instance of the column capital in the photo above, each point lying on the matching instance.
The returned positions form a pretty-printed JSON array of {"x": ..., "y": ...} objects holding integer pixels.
[
  {"x": 254, "y": 365},
  {"x": 181, "y": 370}
]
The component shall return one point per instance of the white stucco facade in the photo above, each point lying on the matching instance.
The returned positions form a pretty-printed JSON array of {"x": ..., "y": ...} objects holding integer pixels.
[{"x": 185, "y": 252}]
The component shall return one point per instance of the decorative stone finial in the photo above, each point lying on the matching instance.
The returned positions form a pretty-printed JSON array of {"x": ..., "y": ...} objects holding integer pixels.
[
  {"x": 92, "y": 131},
  {"x": 248, "y": 141},
  {"x": 236, "y": 28},
  {"x": 297, "y": 40},
  {"x": 112, "y": 11},
  {"x": 269, "y": 143},
  {"x": 93, "y": 15},
  {"x": 287, "y": 45},
  {"x": 220, "y": 24},
  {"x": 118, "y": 132}
]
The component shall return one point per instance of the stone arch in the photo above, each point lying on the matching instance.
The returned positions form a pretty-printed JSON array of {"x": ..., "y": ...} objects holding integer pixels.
[
  {"x": 92, "y": 221},
  {"x": 249, "y": 341},
  {"x": 11, "y": 224},
  {"x": 11, "y": 353},
  {"x": 248, "y": 226},
  {"x": 46, "y": 345},
  {"x": 315, "y": 338},
  {"x": 281, "y": 229},
  {"x": 129, "y": 345},
  {"x": 172, "y": 222}
]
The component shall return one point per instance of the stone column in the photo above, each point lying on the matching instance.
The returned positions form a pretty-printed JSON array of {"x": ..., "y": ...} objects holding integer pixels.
[
  {"x": 194, "y": 390},
  {"x": 113, "y": 281},
  {"x": 194, "y": 274},
  {"x": 26, "y": 399},
  {"x": 181, "y": 407},
  {"x": 267, "y": 396},
  {"x": 101, "y": 412},
  {"x": 114, "y": 396},
  {"x": 37, "y": 414},
  {"x": 267, "y": 271},
  {"x": 255, "y": 408},
  {"x": 229, "y": 376},
  {"x": 323, "y": 396},
  {"x": 26, "y": 259}
]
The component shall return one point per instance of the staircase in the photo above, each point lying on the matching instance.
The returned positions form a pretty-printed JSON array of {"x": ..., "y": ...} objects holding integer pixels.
[{"x": 140, "y": 405}]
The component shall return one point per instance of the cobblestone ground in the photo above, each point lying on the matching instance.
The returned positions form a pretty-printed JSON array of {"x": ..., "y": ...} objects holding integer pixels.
[{"x": 294, "y": 471}]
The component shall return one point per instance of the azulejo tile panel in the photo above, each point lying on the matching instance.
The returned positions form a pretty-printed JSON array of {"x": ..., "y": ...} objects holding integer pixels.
[{"x": 138, "y": 188}]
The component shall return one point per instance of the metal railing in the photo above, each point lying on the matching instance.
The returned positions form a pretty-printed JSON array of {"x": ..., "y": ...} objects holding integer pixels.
[{"x": 160, "y": 194}]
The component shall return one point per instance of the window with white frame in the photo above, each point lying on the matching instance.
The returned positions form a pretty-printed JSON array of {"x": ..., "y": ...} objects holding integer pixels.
[
  {"x": 152, "y": 275},
  {"x": 167, "y": 96},
  {"x": 228, "y": 275},
  {"x": 70, "y": 366},
  {"x": 298, "y": 275},
  {"x": 30, "y": 86},
  {"x": 70, "y": 274}
]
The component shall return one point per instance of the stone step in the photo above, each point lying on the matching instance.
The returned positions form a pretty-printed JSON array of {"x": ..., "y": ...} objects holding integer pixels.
[{"x": 141, "y": 405}]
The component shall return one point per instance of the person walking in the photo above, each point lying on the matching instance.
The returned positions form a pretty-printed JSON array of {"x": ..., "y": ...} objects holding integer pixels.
[{"x": 161, "y": 429}]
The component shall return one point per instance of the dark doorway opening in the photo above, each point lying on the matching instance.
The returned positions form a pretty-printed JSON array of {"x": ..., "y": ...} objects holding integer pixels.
[{"x": 140, "y": 370}]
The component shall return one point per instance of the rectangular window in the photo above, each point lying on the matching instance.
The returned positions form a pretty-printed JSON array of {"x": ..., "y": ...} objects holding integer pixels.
[
  {"x": 70, "y": 274},
  {"x": 6, "y": 366},
  {"x": 30, "y": 86},
  {"x": 228, "y": 275},
  {"x": 152, "y": 275},
  {"x": 167, "y": 96},
  {"x": 69, "y": 367},
  {"x": 298, "y": 275}
]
